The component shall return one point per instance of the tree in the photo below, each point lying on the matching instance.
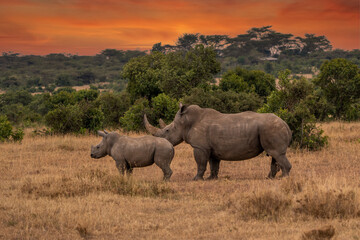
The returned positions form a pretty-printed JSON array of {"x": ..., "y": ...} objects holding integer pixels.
[
  {"x": 187, "y": 41},
  {"x": 183, "y": 71},
  {"x": 242, "y": 80},
  {"x": 143, "y": 74},
  {"x": 340, "y": 82},
  {"x": 312, "y": 43},
  {"x": 174, "y": 73}
]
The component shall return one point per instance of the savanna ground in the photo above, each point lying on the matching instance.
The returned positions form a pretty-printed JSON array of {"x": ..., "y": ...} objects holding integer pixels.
[{"x": 51, "y": 189}]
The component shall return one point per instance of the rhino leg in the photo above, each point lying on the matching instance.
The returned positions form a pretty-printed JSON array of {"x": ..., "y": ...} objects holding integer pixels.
[
  {"x": 163, "y": 160},
  {"x": 214, "y": 168},
  {"x": 166, "y": 169},
  {"x": 284, "y": 164},
  {"x": 201, "y": 158},
  {"x": 128, "y": 169},
  {"x": 121, "y": 166},
  {"x": 274, "y": 169}
]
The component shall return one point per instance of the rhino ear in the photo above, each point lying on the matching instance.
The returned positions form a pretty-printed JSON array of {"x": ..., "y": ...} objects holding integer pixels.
[
  {"x": 183, "y": 109},
  {"x": 106, "y": 132},
  {"x": 101, "y": 133}
]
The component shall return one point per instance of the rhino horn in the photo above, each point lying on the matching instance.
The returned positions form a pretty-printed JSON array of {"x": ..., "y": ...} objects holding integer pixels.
[
  {"x": 101, "y": 133},
  {"x": 150, "y": 128},
  {"x": 162, "y": 123}
]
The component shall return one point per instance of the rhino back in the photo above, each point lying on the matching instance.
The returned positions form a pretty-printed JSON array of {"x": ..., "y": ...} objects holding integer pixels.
[
  {"x": 236, "y": 136},
  {"x": 138, "y": 152}
]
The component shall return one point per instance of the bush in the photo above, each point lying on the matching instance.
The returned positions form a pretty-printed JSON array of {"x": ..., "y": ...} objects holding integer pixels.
[
  {"x": 353, "y": 112},
  {"x": 164, "y": 107},
  {"x": 340, "y": 81},
  {"x": 65, "y": 119},
  {"x": 293, "y": 103},
  {"x": 92, "y": 118},
  {"x": 133, "y": 118},
  {"x": 225, "y": 102},
  {"x": 5, "y": 128},
  {"x": 6, "y": 132},
  {"x": 242, "y": 80},
  {"x": 114, "y": 106},
  {"x": 17, "y": 135}
]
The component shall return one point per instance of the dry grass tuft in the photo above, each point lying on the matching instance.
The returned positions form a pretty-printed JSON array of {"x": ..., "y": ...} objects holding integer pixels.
[
  {"x": 330, "y": 204},
  {"x": 266, "y": 205},
  {"x": 85, "y": 182},
  {"x": 324, "y": 233},
  {"x": 84, "y": 233},
  {"x": 292, "y": 186}
]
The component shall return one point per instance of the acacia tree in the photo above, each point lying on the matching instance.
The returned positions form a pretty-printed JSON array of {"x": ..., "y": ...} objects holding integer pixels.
[{"x": 312, "y": 43}]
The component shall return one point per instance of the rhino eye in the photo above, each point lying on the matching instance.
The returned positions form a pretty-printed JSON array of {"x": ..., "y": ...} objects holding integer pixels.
[{"x": 98, "y": 147}]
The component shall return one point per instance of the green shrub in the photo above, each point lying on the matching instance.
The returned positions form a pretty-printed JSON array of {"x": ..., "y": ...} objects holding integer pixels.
[
  {"x": 133, "y": 118},
  {"x": 293, "y": 102},
  {"x": 114, "y": 106},
  {"x": 65, "y": 119},
  {"x": 6, "y": 132},
  {"x": 164, "y": 107},
  {"x": 92, "y": 118},
  {"x": 353, "y": 112},
  {"x": 340, "y": 81},
  {"x": 5, "y": 128},
  {"x": 17, "y": 135},
  {"x": 224, "y": 101}
]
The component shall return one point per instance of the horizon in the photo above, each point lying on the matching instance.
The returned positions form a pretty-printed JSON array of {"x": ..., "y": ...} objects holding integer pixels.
[{"x": 79, "y": 27}]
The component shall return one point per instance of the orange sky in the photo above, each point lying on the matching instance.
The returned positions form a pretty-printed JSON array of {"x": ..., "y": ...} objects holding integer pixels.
[{"x": 86, "y": 27}]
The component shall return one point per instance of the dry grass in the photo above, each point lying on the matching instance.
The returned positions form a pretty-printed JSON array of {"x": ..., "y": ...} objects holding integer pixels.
[{"x": 52, "y": 189}]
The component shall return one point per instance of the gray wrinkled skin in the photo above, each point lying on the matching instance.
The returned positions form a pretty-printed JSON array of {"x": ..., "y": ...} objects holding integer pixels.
[
  {"x": 216, "y": 136},
  {"x": 135, "y": 152}
]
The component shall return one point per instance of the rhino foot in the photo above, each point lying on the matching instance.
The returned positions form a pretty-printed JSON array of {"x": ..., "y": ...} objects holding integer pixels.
[
  {"x": 197, "y": 178},
  {"x": 211, "y": 177}
]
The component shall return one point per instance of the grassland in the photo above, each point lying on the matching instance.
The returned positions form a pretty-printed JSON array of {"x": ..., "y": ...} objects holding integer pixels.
[{"x": 51, "y": 189}]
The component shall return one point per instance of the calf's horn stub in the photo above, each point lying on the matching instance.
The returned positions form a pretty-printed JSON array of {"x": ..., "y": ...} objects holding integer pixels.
[
  {"x": 102, "y": 134},
  {"x": 162, "y": 123},
  {"x": 150, "y": 128}
]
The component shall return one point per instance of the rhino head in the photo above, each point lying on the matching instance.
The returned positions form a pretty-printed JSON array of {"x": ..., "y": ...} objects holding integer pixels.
[
  {"x": 173, "y": 132},
  {"x": 100, "y": 150}
]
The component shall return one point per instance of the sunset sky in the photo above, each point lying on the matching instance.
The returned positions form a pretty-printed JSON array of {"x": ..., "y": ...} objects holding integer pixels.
[{"x": 86, "y": 27}]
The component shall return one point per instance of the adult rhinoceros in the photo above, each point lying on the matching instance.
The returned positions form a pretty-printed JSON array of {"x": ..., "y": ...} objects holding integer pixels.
[{"x": 216, "y": 136}]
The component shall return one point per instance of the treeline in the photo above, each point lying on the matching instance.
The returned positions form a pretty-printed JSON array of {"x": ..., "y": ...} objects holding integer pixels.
[
  {"x": 265, "y": 49},
  {"x": 158, "y": 81},
  {"x": 199, "y": 71},
  {"x": 258, "y": 49},
  {"x": 45, "y": 73}
]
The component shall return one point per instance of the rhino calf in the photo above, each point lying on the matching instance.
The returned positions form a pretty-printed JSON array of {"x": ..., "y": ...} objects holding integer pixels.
[{"x": 135, "y": 152}]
